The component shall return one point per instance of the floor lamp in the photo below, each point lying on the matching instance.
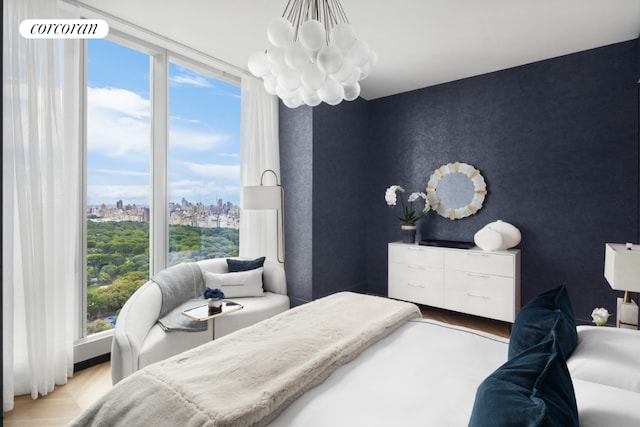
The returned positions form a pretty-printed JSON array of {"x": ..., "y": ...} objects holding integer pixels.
[
  {"x": 267, "y": 197},
  {"x": 622, "y": 271}
]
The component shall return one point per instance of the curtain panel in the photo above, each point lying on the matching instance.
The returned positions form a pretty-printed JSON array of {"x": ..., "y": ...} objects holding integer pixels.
[
  {"x": 259, "y": 151},
  {"x": 42, "y": 195}
]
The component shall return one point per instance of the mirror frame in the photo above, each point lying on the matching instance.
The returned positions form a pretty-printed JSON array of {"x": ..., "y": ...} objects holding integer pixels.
[{"x": 479, "y": 193}]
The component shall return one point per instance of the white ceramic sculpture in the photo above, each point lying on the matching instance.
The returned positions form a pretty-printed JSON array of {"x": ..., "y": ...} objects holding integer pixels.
[{"x": 497, "y": 235}]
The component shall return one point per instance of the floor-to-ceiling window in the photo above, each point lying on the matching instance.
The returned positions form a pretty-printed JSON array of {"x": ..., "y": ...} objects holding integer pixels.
[
  {"x": 204, "y": 165},
  {"x": 118, "y": 172},
  {"x": 197, "y": 134}
]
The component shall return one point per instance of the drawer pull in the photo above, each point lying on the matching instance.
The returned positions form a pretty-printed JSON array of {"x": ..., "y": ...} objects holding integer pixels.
[
  {"x": 416, "y": 267},
  {"x": 477, "y": 254},
  {"x": 469, "y": 294},
  {"x": 481, "y": 276},
  {"x": 415, "y": 286}
]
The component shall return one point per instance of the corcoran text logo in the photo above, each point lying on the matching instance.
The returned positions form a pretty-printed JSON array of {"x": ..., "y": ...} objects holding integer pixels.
[{"x": 64, "y": 28}]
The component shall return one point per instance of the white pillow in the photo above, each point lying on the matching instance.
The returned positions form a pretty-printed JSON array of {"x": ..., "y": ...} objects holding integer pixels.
[
  {"x": 235, "y": 285},
  {"x": 602, "y": 405},
  {"x": 607, "y": 356}
]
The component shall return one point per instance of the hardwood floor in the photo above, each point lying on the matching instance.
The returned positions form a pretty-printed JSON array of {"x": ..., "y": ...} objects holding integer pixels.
[
  {"x": 496, "y": 327},
  {"x": 64, "y": 403},
  {"x": 68, "y": 401}
]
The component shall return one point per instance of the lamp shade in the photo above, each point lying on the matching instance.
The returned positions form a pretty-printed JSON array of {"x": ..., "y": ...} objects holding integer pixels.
[
  {"x": 262, "y": 197},
  {"x": 622, "y": 266}
]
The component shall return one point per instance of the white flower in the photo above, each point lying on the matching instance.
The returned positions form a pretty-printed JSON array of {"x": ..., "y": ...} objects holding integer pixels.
[
  {"x": 600, "y": 316},
  {"x": 418, "y": 194},
  {"x": 390, "y": 194},
  {"x": 409, "y": 216}
]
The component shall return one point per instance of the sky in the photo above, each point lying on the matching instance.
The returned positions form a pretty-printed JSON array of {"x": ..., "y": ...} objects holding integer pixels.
[{"x": 204, "y": 131}]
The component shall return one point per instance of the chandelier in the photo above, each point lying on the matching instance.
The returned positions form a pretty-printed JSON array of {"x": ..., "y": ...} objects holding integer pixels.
[{"x": 313, "y": 55}]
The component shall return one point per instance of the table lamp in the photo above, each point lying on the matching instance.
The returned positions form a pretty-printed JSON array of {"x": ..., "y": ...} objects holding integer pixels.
[
  {"x": 267, "y": 197},
  {"x": 622, "y": 271}
]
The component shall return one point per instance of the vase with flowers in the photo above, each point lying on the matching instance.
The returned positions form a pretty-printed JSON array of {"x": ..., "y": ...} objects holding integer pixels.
[{"x": 409, "y": 216}]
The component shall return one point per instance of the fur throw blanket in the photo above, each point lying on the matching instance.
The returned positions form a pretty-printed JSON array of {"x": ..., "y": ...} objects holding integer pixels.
[{"x": 248, "y": 377}]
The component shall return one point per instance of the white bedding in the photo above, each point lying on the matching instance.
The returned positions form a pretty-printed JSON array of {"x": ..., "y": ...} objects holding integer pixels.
[
  {"x": 424, "y": 374},
  {"x": 605, "y": 370},
  {"x": 609, "y": 356},
  {"x": 601, "y": 405}
]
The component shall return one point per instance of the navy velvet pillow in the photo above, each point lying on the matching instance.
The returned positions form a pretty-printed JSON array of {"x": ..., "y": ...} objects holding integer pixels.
[
  {"x": 547, "y": 311},
  {"x": 532, "y": 389},
  {"x": 235, "y": 265}
]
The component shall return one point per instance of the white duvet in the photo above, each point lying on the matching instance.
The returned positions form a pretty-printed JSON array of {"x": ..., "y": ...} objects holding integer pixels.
[{"x": 424, "y": 374}]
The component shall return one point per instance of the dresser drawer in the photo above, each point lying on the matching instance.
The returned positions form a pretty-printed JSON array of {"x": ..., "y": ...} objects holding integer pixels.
[
  {"x": 480, "y": 294},
  {"x": 416, "y": 255},
  {"x": 415, "y": 283},
  {"x": 480, "y": 262}
]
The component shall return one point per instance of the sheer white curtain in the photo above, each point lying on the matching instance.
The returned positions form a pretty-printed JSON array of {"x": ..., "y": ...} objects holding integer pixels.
[
  {"x": 42, "y": 192},
  {"x": 259, "y": 151}
]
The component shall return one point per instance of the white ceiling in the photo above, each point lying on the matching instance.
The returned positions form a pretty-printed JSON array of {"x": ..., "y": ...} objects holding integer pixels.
[{"x": 419, "y": 43}]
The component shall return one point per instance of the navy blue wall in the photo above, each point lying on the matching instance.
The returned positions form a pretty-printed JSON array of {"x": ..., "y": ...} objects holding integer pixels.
[
  {"x": 557, "y": 142},
  {"x": 296, "y": 167},
  {"x": 323, "y": 162}
]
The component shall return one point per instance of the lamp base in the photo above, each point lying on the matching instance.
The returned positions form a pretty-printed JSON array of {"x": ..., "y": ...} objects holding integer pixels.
[{"x": 627, "y": 314}]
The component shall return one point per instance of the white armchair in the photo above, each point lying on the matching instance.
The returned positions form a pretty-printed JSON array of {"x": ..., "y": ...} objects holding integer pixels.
[{"x": 139, "y": 340}]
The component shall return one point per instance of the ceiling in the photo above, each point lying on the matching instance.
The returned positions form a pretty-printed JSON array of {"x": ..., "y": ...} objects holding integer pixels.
[{"x": 419, "y": 43}]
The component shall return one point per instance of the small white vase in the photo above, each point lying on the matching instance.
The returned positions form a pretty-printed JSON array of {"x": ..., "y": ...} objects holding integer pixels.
[{"x": 497, "y": 235}]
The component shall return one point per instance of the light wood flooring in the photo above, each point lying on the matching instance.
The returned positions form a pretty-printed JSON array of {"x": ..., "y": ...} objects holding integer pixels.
[
  {"x": 64, "y": 403},
  {"x": 68, "y": 401}
]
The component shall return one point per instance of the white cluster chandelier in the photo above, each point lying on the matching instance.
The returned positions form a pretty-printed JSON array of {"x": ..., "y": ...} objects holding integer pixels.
[{"x": 313, "y": 55}]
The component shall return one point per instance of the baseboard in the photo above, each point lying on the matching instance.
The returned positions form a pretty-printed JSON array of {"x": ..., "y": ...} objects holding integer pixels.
[{"x": 91, "y": 362}]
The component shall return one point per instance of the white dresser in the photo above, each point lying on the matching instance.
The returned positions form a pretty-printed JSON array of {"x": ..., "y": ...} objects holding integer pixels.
[{"x": 470, "y": 281}]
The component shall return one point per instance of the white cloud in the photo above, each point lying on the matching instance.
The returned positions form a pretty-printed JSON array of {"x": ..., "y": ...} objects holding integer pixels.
[
  {"x": 119, "y": 172},
  {"x": 124, "y": 101},
  {"x": 118, "y": 125},
  {"x": 186, "y": 120},
  {"x": 196, "y": 141},
  {"x": 213, "y": 171},
  {"x": 197, "y": 81},
  {"x": 117, "y": 122}
]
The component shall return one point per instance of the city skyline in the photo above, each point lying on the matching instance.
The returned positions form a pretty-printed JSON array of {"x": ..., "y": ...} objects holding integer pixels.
[
  {"x": 221, "y": 215},
  {"x": 125, "y": 203}
]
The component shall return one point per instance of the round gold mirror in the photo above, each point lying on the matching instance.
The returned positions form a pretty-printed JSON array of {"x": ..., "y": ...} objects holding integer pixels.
[{"x": 456, "y": 190}]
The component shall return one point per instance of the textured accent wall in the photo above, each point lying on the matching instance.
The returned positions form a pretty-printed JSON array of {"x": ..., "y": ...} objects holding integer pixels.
[
  {"x": 323, "y": 165},
  {"x": 296, "y": 169},
  {"x": 557, "y": 142},
  {"x": 340, "y": 174}
]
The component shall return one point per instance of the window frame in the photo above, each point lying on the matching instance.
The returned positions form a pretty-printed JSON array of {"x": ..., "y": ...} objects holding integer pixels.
[{"x": 161, "y": 51}]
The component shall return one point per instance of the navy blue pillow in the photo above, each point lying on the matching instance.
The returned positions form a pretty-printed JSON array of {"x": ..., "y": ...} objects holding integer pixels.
[
  {"x": 235, "y": 265},
  {"x": 532, "y": 389},
  {"x": 549, "y": 310}
]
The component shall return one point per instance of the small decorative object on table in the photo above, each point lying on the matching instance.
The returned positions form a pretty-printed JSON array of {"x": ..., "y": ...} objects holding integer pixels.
[
  {"x": 600, "y": 316},
  {"x": 215, "y": 297},
  {"x": 409, "y": 218}
]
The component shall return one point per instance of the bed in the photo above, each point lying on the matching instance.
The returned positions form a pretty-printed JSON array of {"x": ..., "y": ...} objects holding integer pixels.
[{"x": 351, "y": 359}]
